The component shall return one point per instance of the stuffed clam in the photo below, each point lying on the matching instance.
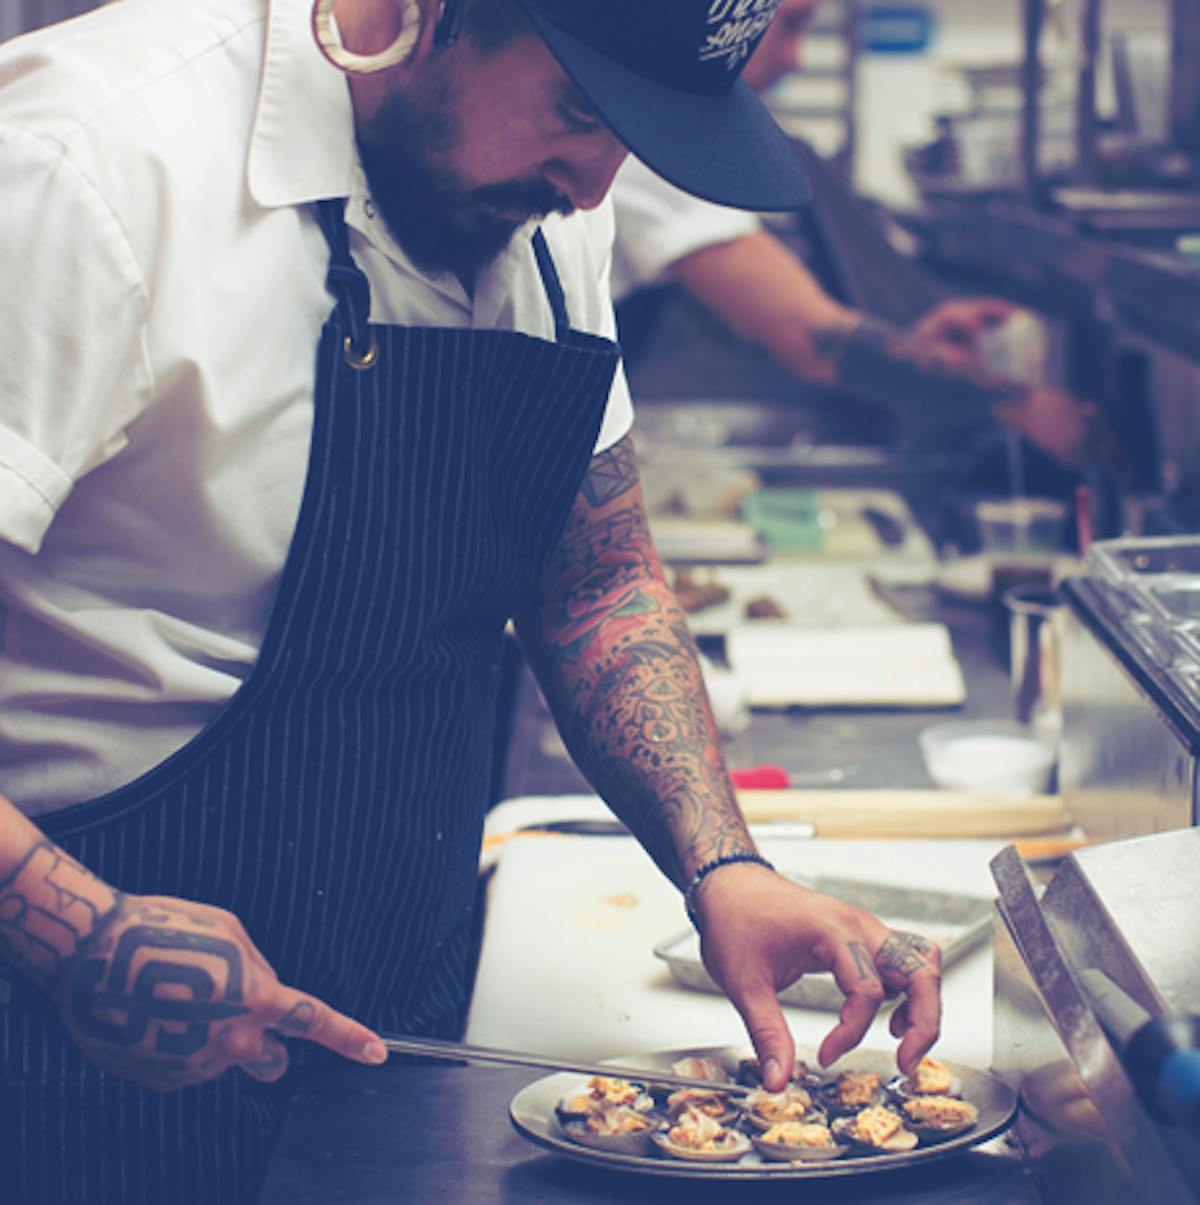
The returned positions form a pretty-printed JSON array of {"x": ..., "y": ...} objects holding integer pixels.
[
  {"x": 763, "y": 1109},
  {"x": 853, "y": 1091},
  {"x": 799, "y": 1141},
  {"x": 697, "y": 1137},
  {"x": 750, "y": 1073},
  {"x": 939, "y": 1116},
  {"x": 877, "y": 1128},
  {"x": 604, "y": 1092},
  {"x": 931, "y": 1078},
  {"x": 616, "y": 1128}
]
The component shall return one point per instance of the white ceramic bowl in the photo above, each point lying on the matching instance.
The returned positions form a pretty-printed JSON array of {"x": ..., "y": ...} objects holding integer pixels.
[{"x": 987, "y": 755}]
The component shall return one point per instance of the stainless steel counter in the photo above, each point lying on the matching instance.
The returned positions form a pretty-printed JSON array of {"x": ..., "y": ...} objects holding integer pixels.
[{"x": 875, "y": 748}]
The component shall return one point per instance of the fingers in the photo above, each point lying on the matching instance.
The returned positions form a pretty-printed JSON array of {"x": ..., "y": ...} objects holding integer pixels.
[
  {"x": 923, "y": 1014},
  {"x": 769, "y": 1032},
  {"x": 854, "y": 970},
  {"x": 271, "y": 1062},
  {"x": 913, "y": 963},
  {"x": 991, "y": 311},
  {"x": 301, "y": 1016}
]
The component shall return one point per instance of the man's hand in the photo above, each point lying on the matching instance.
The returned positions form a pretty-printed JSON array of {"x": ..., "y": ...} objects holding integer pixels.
[
  {"x": 1068, "y": 427},
  {"x": 161, "y": 991},
  {"x": 762, "y": 932},
  {"x": 956, "y": 326},
  {"x": 167, "y": 992}
]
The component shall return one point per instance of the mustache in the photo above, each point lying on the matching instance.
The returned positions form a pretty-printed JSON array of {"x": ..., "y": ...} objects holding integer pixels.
[{"x": 536, "y": 198}]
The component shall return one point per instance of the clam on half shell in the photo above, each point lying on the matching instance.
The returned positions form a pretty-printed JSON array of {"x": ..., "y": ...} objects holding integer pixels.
[
  {"x": 730, "y": 1148},
  {"x": 581, "y": 1104},
  {"x": 750, "y": 1074},
  {"x": 701, "y": 1067},
  {"x": 857, "y": 1131},
  {"x": 763, "y": 1109},
  {"x": 900, "y": 1090},
  {"x": 629, "y": 1142},
  {"x": 852, "y": 1092},
  {"x": 803, "y": 1152},
  {"x": 715, "y": 1105},
  {"x": 934, "y": 1117}
]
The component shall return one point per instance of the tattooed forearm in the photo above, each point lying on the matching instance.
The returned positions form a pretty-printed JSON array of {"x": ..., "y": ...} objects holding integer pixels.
[
  {"x": 879, "y": 362},
  {"x": 621, "y": 673},
  {"x": 49, "y": 904},
  {"x": 611, "y": 474},
  {"x": 906, "y": 953}
]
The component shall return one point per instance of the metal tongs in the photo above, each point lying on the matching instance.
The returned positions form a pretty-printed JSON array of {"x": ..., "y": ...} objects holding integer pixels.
[{"x": 437, "y": 1048}]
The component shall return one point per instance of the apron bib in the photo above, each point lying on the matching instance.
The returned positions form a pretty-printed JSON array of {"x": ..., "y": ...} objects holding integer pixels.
[{"x": 336, "y": 803}]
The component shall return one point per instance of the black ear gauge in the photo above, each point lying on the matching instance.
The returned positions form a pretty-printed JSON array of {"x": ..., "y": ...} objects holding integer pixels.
[{"x": 449, "y": 23}]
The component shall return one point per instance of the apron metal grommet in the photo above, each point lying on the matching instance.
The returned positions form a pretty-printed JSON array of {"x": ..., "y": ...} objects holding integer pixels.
[{"x": 366, "y": 359}]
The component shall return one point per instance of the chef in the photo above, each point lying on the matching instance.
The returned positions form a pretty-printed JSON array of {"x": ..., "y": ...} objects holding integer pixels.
[
  {"x": 307, "y": 386},
  {"x": 762, "y": 293}
]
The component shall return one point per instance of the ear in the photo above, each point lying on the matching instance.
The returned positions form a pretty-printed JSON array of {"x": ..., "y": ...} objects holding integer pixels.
[
  {"x": 426, "y": 45},
  {"x": 410, "y": 26}
]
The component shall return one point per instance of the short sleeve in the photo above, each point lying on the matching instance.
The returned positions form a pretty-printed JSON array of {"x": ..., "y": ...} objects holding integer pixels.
[
  {"x": 74, "y": 368},
  {"x": 658, "y": 224}
]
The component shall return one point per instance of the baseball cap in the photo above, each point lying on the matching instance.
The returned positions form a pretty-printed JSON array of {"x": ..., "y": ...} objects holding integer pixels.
[{"x": 665, "y": 76}]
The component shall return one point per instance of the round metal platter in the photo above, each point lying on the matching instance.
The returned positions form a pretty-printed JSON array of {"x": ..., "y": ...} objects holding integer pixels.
[{"x": 532, "y": 1112}]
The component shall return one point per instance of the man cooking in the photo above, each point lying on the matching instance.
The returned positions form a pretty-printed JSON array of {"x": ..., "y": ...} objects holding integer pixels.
[
  {"x": 253, "y": 597},
  {"x": 763, "y": 297}
]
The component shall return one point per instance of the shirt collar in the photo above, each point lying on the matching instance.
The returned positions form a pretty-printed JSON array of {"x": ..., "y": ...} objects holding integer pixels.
[{"x": 303, "y": 146}]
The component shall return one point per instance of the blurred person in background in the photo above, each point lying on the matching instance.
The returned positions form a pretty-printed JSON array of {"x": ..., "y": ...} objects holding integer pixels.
[{"x": 752, "y": 283}]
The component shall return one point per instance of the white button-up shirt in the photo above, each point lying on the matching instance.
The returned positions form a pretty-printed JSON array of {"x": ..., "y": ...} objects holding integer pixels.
[
  {"x": 658, "y": 224},
  {"x": 163, "y": 294}
]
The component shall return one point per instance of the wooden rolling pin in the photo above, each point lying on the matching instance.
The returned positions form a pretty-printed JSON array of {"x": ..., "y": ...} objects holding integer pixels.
[{"x": 918, "y": 813}]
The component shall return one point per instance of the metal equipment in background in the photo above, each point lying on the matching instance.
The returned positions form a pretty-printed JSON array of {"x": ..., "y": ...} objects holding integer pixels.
[
  {"x": 1130, "y": 664},
  {"x": 1111, "y": 948}
]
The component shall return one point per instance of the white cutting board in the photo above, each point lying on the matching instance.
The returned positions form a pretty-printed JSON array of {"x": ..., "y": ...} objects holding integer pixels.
[
  {"x": 567, "y": 965},
  {"x": 892, "y": 665}
]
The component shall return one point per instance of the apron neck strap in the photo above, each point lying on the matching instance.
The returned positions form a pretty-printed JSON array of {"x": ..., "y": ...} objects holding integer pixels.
[
  {"x": 348, "y": 284},
  {"x": 552, "y": 285},
  {"x": 343, "y": 278}
]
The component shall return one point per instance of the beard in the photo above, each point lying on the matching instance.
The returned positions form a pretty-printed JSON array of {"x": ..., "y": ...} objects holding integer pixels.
[{"x": 442, "y": 225}]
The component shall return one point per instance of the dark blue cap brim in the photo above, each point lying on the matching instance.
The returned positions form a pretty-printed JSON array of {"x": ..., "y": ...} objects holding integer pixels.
[{"x": 727, "y": 149}]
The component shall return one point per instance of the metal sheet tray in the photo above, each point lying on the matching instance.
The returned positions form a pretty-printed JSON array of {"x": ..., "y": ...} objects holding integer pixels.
[{"x": 957, "y": 923}]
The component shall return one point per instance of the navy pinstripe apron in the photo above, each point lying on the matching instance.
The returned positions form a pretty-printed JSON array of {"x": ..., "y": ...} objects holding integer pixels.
[{"x": 336, "y": 803}]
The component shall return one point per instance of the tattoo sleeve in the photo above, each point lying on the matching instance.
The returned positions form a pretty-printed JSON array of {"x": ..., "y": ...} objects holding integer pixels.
[
  {"x": 619, "y": 668},
  {"x": 882, "y": 363},
  {"x": 49, "y": 905}
]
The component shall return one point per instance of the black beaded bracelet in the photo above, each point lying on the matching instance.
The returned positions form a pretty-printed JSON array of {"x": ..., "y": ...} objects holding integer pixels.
[{"x": 689, "y": 894}]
